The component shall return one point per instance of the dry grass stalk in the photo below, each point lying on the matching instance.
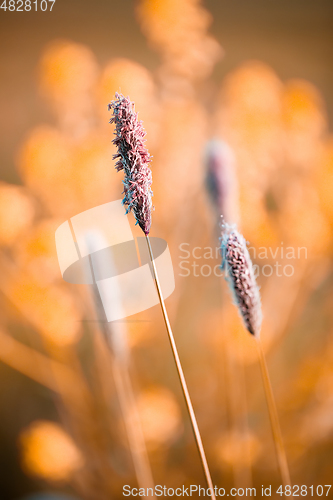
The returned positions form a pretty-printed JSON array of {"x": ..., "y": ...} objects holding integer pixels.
[
  {"x": 182, "y": 376},
  {"x": 240, "y": 274},
  {"x": 221, "y": 185},
  {"x": 133, "y": 158},
  {"x": 124, "y": 389},
  {"x": 273, "y": 415}
]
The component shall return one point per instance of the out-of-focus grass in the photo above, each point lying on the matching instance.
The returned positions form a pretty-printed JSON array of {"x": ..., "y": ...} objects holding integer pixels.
[{"x": 279, "y": 135}]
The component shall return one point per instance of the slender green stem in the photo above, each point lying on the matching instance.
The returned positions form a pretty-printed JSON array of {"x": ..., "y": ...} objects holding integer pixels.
[
  {"x": 182, "y": 378},
  {"x": 273, "y": 415}
]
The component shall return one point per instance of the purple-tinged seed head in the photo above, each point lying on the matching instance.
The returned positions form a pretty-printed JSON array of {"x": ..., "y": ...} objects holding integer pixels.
[
  {"x": 132, "y": 157},
  {"x": 236, "y": 262},
  {"x": 221, "y": 182}
]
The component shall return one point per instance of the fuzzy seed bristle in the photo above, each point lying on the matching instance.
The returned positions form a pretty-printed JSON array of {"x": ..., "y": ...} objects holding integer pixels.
[
  {"x": 132, "y": 157},
  {"x": 240, "y": 274}
]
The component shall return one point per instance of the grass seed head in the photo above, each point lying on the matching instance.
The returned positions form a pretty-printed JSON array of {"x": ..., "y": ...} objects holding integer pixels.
[
  {"x": 236, "y": 262},
  {"x": 132, "y": 157}
]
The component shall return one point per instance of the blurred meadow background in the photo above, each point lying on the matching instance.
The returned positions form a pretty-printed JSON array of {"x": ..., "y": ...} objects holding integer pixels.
[{"x": 245, "y": 87}]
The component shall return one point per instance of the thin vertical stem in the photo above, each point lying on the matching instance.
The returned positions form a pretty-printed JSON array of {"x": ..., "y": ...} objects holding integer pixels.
[
  {"x": 182, "y": 377},
  {"x": 129, "y": 411},
  {"x": 133, "y": 426},
  {"x": 244, "y": 420},
  {"x": 236, "y": 404},
  {"x": 126, "y": 398},
  {"x": 273, "y": 415}
]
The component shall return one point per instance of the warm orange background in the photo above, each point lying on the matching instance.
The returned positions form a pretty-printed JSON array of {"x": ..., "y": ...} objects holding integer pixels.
[{"x": 256, "y": 75}]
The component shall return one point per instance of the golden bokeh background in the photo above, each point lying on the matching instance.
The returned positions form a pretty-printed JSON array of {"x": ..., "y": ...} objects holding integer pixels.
[{"x": 75, "y": 419}]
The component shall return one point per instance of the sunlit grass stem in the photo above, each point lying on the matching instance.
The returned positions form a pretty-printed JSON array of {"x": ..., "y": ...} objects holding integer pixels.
[
  {"x": 126, "y": 399},
  {"x": 182, "y": 377},
  {"x": 274, "y": 419}
]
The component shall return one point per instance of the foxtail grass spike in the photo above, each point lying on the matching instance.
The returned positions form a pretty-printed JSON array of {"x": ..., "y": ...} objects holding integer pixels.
[
  {"x": 236, "y": 261},
  {"x": 240, "y": 274},
  {"x": 133, "y": 157},
  {"x": 220, "y": 179}
]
